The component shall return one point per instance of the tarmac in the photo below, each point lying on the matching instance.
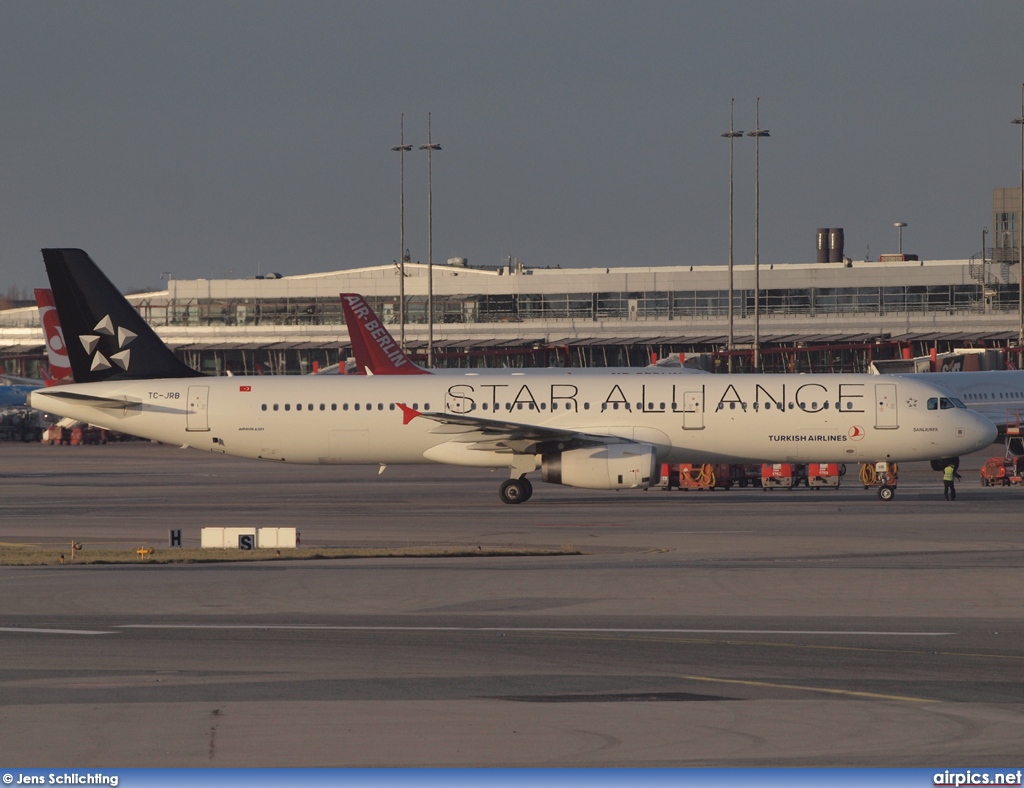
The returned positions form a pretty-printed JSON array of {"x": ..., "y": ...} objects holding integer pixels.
[{"x": 739, "y": 628}]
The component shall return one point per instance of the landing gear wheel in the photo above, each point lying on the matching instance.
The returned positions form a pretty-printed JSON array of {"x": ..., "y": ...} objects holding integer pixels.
[
  {"x": 527, "y": 489},
  {"x": 515, "y": 491},
  {"x": 886, "y": 493}
]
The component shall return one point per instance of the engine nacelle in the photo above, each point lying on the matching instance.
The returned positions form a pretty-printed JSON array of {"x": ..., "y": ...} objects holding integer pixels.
[{"x": 617, "y": 466}]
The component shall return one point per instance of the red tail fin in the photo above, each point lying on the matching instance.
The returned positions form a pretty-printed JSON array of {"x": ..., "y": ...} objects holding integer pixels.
[
  {"x": 375, "y": 349},
  {"x": 56, "y": 350}
]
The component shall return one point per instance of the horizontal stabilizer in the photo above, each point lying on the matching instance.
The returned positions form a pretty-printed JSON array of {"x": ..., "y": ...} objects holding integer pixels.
[{"x": 111, "y": 403}]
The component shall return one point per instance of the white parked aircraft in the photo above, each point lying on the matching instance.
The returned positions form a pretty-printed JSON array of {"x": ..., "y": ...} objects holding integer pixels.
[
  {"x": 600, "y": 431},
  {"x": 996, "y": 394}
]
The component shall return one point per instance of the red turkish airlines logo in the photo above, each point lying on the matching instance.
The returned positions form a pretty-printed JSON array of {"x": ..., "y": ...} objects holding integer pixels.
[
  {"x": 54, "y": 338},
  {"x": 856, "y": 433}
]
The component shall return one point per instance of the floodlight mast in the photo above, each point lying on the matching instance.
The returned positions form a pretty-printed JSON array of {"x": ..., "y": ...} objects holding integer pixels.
[
  {"x": 757, "y": 133},
  {"x": 430, "y": 147},
  {"x": 402, "y": 149},
  {"x": 732, "y": 134}
]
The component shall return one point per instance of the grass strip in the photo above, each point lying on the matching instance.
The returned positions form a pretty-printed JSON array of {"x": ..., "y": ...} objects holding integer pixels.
[{"x": 45, "y": 555}]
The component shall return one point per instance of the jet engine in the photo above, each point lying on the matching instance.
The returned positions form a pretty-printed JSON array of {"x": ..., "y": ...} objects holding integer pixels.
[{"x": 616, "y": 466}]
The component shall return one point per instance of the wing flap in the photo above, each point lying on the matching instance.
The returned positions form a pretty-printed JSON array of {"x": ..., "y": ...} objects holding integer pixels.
[{"x": 481, "y": 434}]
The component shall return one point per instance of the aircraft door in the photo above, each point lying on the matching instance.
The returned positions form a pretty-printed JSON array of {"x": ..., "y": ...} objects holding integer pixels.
[
  {"x": 198, "y": 402},
  {"x": 885, "y": 407},
  {"x": 693, "y": 410}
]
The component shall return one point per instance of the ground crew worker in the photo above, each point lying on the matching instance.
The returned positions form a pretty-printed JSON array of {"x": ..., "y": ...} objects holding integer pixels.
[{"x": 948, "y": 486}]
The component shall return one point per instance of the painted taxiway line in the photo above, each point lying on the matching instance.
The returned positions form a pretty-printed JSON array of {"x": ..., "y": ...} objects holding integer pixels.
[
  {"x": 584, "y": 630},
  {"x": 40, "y": 631},
  {"x": 809, "y": 688}
]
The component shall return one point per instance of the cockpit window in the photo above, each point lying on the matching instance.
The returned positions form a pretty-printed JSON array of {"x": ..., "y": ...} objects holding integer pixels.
[{"x": 944, "y": 403}]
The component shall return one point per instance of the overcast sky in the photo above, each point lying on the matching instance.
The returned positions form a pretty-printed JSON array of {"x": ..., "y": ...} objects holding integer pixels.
[{"x": 214, "y": 139}]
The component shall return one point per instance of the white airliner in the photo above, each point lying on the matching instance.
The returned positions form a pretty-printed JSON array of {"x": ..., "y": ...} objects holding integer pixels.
[
  {"x": 599, "y": 431},
  {"x": 996, "y": 394}
]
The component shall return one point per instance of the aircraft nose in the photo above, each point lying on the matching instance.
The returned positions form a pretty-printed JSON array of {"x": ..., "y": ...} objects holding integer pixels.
[{"x": 983, "y": 431}]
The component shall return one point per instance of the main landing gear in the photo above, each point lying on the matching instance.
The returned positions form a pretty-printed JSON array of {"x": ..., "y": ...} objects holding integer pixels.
[{"x": 515, "y": 490}]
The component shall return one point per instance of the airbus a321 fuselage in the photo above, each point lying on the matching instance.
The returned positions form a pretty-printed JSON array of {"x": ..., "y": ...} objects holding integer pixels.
[{"x": 592, "y": 431}]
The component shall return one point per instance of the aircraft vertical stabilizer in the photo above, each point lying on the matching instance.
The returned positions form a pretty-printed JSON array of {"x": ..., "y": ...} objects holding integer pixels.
[
  {"x": 56, "y": 349},
  {"x": 106, "y": 338},
  {"x": 376, "y": 351}
]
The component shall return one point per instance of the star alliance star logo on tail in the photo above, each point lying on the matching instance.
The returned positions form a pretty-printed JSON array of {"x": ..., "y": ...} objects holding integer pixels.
[{"x": 122, "y": 336}]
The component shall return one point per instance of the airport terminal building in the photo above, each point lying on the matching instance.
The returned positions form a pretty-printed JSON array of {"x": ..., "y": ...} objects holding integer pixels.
[{"x": 820, "y": 316}]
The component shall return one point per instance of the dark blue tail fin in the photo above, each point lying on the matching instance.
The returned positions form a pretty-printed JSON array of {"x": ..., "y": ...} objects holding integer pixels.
[{"x": 106, "y": 338}]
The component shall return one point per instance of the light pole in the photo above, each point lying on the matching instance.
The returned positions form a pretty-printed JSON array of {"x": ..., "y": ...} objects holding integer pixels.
[
  {"x": 732, "y": 134},
  {"x": 1020, "y": 229},
  {"x": 430, "y": 147},
  {"x": 757, "y": 133},
  {"x": 899, "y": 226},
  {"x": 402, "y": 149}
]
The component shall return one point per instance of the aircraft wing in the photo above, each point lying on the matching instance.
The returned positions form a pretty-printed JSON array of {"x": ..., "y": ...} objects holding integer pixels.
[{"x": 499, "y": 434}]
